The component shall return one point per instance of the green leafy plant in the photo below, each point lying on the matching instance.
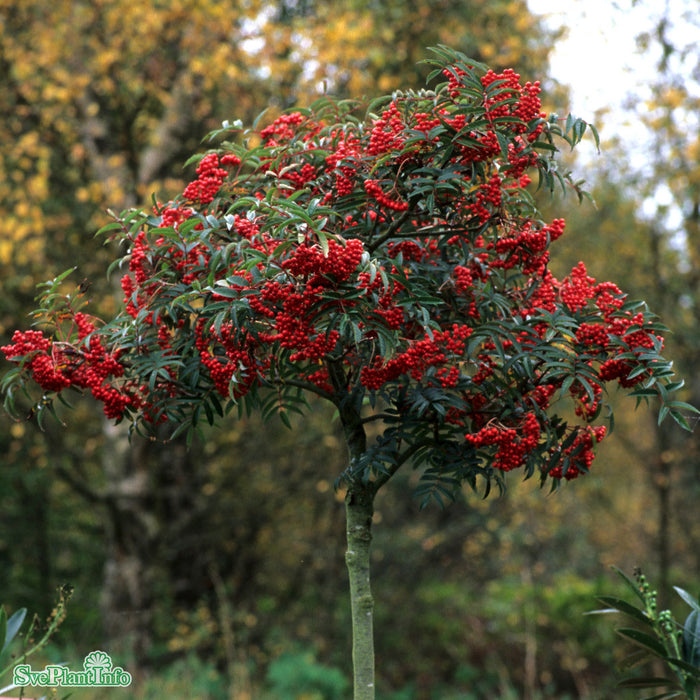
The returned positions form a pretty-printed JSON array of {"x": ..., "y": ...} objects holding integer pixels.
[
  {"x": 292, "y": 676},
  {"x": 658, "y": 635},
  {"x": 10, "y": 629}
]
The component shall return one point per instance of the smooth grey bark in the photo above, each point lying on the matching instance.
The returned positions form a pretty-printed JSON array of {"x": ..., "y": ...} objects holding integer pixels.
[{"x": 359, "y": 510}]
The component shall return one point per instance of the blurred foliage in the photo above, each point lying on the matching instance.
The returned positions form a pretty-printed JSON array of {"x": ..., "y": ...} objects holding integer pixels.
[{"x": 300, "y": 676}]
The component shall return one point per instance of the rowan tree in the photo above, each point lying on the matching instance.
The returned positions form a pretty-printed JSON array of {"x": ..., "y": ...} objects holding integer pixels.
[
  {"x": 387, "y": 258},
  {"x": 100, "y": 103}
]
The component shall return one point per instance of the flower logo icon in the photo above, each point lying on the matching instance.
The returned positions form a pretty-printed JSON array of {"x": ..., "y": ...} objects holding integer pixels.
[{"x": 97, "y": 659}]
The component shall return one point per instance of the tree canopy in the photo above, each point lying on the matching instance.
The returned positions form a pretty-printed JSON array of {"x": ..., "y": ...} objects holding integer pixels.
[{"x": 390, "y": 262}]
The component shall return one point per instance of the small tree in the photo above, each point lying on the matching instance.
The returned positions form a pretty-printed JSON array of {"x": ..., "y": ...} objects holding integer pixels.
[{"x": 387, "y": 259}]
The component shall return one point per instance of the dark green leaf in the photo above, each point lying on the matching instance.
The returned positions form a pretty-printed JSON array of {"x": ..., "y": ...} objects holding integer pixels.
[
  {"x": 649, "y": 682},
  {"x": 693, "y": 671},
  {"x": 634, "y": 659},
  {"x": 644, "y": 640},
  {"x": 632, "y": 585},
  {"x": 626, "y": 608}
]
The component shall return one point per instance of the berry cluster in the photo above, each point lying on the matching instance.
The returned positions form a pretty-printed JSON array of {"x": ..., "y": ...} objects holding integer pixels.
[
  {"x": 33, "y": 348},
  {"x": 488, "y": 194},
  {"x": 387, "y": 135},
  {"x": 284, "y": 128},
  {"x": 438, "y": 350},
  {"x": 513, "y": 100},
  {"x": 335, "y": 265},
  {"x": 393, "y": 259},
  {"x": 54, "y": 365},
  {"x": 578, "y": 457},
  {"x": 374, "y": 190},
  {"x": 513, "y": 444},
  {"x": 204, "y": 188}
]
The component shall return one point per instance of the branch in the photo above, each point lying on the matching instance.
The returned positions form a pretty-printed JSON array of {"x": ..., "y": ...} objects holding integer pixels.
[
  {"x": 306, "y": 386},
  {"x": 384, "y": 476},
  {"x": 350, "y": 417},
  {"x": 417, "y": 233},
  {"x": 80, "y": 486},
  {"x": 378, "y": 416},
  {"x": 393, "y": 228}
]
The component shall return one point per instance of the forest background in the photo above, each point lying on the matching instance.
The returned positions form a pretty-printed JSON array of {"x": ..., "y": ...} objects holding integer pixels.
[{"x": 219, "y": 571}]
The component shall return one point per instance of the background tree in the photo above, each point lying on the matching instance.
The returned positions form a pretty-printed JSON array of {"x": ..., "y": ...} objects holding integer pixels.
[
  {"x": 672, "y": 169},
  {"x": 645, "y": 212}
]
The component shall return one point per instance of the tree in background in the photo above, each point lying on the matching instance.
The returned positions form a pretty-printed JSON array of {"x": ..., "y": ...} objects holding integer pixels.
[
  {"x": 647, "y": 212},
  {"x": 391, "y": 264},
  {"x": 669, "y": 182}
]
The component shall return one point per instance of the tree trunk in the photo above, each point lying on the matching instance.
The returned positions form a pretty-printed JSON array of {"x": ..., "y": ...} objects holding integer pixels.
[
  {"x": 359, "y": 510},
  {"x": 127, "y": 592}
]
